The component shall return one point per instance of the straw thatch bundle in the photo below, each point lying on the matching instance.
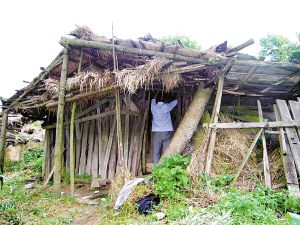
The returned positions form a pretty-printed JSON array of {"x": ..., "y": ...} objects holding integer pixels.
[
  {"x": 132, "y": 79},
  {"x": 87, "y": 80},
  {"x": 84, "y": 32}
]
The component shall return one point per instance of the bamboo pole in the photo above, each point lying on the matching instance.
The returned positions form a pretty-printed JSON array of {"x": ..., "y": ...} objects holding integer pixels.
[
  {"x": 72, "y": 151},
  {"x": 2, "y": 143},
  {"x": 60, "y": 126},
  {"x": 119, "y": 131},
  {"x": 267, "y": 174},
  {"x": 247, "y": 156}
]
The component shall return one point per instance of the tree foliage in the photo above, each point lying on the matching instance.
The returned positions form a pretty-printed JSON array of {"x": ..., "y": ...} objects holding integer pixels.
[
  {"x": 279, "y": 48},
  {"x": 186, "y": 41}
]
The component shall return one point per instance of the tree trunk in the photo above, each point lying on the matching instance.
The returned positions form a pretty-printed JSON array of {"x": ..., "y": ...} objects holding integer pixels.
[{"x": 189, "y": 122}]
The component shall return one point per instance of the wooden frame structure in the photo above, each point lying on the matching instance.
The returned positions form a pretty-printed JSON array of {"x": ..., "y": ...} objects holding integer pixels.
[{"x": 100, "y": 130}]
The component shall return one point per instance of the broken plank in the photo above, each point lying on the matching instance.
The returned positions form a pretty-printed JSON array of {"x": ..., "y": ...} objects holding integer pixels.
[
  {"x": 290, "y": 132},
  {"x": 295, "y": 109},
  {"x": 288, "y": 161},
  {"x": 291, "y": 123}
]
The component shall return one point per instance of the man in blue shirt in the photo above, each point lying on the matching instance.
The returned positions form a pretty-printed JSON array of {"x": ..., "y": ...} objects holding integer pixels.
[{"x": 161, "y": 125}]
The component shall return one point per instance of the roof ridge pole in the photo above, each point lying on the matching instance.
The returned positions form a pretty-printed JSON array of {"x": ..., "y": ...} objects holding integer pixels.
[
  {"x": 2, "y": 143},
  {"x": 60, "y": 125}
]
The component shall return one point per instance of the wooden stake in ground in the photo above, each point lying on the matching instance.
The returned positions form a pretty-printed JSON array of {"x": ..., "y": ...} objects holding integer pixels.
[
  {"x": 60, "y": 125},
  {"x": 189, "y": 122},
  {"x": 2, "y": 143}
]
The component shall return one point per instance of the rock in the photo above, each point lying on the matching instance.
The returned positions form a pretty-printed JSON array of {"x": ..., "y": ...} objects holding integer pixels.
[
  {"x": 29, "y": 186},
  {"x": 96, "y": 192},
  {"x": 99, "y": 182},
  {"x": 160, "y": 215},
  {"x": 86, "y": 197},
  {"x": 103, "y": 199},
  {"x": 63, "y": 193}
]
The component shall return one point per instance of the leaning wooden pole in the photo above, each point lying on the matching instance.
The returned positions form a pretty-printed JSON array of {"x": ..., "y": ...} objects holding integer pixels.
[
  {"x": 2, "y": 143},
  {"x": 212, "y": 140},
  {"x": 60, "y": 125},
  {"x": 72, "y": 151},
  {"x": 267, "y": 174},
  {"x": 189, "y": 122}
]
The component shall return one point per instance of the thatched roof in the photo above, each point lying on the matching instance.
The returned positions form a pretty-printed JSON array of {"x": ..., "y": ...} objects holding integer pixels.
[{"x": 149, "y": 63}]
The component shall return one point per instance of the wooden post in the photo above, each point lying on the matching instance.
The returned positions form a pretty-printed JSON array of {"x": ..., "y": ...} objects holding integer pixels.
[
  {"x": 2, "y": 143},
  {"x": 265, "y": 151},
  {"x": 60, "y": 125},
  {"x": 72, "y": 151},
  {"x": 119, "y": 131},
  {"x": 126, "y": 136},
  {"x": 215, "y": 118},
  {"x": 247, "y": 156}
]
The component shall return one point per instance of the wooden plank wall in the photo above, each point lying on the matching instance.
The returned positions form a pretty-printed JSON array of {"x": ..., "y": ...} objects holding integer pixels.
[{"x": 96, "y": 144}]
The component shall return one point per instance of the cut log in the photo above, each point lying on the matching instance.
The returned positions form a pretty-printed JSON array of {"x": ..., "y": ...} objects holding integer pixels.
[
  {"x": 242, "y": 46},
  {"x": 189, "y": 122}
]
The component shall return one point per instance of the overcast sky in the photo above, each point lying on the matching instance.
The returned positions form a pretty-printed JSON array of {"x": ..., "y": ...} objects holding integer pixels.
[{"x": 30, "y": 30}]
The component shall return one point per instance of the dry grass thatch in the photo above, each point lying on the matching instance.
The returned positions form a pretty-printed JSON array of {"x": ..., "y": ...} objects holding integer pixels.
[
  {"x": 133, "y": 79},
  {"x": 87, "y": 80},
  {"x": 84, "y": 32}
]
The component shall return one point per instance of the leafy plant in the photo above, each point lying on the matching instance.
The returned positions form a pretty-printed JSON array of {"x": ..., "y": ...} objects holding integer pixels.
[
  {"x": 170, "y": 177},
  {"x": 223, "y": 180},
  {"x": 186, "y": 41}
]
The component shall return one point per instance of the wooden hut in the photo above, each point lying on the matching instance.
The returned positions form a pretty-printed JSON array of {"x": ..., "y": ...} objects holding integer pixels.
[{"x": 100, "y": 89}]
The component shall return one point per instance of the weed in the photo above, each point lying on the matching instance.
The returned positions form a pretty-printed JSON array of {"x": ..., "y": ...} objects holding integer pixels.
[{"x": 170, "y": 177}]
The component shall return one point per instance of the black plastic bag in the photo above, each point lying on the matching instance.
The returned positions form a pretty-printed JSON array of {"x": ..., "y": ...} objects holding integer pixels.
[{"x": 146, "y": 204}]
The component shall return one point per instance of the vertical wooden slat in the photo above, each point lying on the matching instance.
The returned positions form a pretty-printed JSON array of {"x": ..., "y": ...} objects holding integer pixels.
[
  {"x": 60, "y": 125},
  {"x": 112, "y": 159},
  {"x": 78, "y": 131},
  {"x": 91, "y": 147},
  {"x": 47, "y": 155},
  {"x": 267, "y": 174},
  {"x": 109, "y": 146},
  {"x": 95, "y": 157},
  {"x": 82, "y": 162},
  {"x": 67, "y": 144},
  {"x": 72, "y": 151},
  {"x": 104, "y": 141}
]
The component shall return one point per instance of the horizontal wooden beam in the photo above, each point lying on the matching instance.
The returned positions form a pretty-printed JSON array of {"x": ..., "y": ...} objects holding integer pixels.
[
  {"x": 255, "y": 125},
  {"x": 217, "y": 60}
]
